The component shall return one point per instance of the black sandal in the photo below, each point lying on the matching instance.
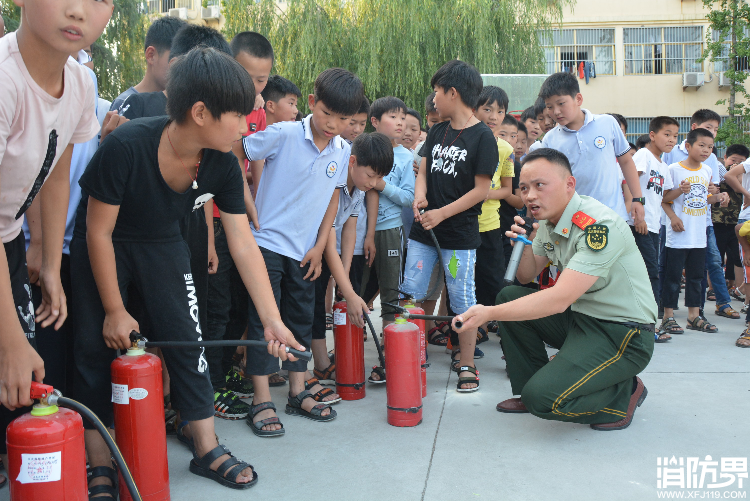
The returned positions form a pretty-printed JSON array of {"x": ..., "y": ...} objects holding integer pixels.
[
  {"x": 184, "y": 439},
  {"x": 321, "y": 394},
  {"x": 329, "y": 321},
  {"x": 202, "y": 467},
  {"x": 482, "y": 336},
  {"x": 294, "y": 408},
  {"x": 467, "y": 379},
  {"x": 279, "y": 381},
  {"x": 380, "y": 372},
  {"x": 109, "y": 490},
  {"x": 671, "y": 327},
  {"x": 701, "y": 324},
  {"x": 436, "y": 336},
  {"x": 326, "y": 375},
  {"x": 257, "y": 427}
]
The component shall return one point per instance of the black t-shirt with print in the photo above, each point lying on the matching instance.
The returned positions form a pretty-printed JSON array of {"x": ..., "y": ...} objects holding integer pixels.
[
  {"x": 146, "y": 104},
  {"x": 453, "y": 158},
  {"x": 125, "y": 171}
]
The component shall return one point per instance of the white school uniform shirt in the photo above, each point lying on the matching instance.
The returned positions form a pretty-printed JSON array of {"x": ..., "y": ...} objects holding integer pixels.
[
  {"x": 654, "y": 181},
  {"x": 593, "y": 151},
  {"x": 745, "y": 213},
  {"x": 296, "y": 186},
  {"x": 691, "y": 208},
  {"x": 678, "y": 154}
]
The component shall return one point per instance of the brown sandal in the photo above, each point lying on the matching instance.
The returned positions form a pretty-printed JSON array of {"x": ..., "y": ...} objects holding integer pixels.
[
  {"x": 700, "y": 324},
  {"x": 744, "y": 340},
  {"x": 727, "y": 311}
]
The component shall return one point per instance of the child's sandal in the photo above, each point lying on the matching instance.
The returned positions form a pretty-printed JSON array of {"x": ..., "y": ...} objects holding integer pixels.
[
  {"x": 323, "y": 393},
  {"x": 329, "y": 321},
  {"x": 744, "y": 340},
  {"x": 727, "y": 311},
  {"x": 671, "y": 327},
  {"x": 700, "y": 324},
  {"x": 294, "y": 407},
  {"x": 436, "y": 336},
  {"x": 378, "y": 371},
  {"x": 326, "y": 375},
  {"x": 467, "y": 379}
]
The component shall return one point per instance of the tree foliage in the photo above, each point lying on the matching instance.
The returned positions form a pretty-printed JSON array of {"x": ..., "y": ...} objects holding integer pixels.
[
  {"x": 396, "y": 46},
  {"x": 730, "y": 19},
  {"x": 11, "y": 15}
]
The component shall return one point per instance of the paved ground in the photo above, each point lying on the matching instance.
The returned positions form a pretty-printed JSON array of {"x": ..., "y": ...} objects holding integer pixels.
[{"x": 698, "y": 404}]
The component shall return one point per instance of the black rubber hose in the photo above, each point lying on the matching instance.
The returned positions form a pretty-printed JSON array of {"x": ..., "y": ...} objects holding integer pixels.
[
  {"x": 375, "y": 338},
  {"x": 116, "y": 454},
  {"x": 442, "y": 266},
  {"x": 303, "y": 355}
]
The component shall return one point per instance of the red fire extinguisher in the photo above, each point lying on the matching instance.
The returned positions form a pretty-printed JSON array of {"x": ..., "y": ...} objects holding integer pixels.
[
  {"x": 403, "y": 385},
  {"x": 415, "y": 310},
  {"x": 46, "y": 453},
  {"x": 350, "y": 355},
  {"x": 138, "y": 399}
]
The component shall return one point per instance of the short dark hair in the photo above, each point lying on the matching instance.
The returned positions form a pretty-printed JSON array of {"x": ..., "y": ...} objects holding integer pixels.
[
  {"x": 620, "y": 120},
  {"x": 161, "y": 33},
  {"x": 738, "y": 149},
  {"x": 560, "y": 84},
  {"x": 364, "y": 107},
  {"x": 703, "y": 116},
  {"x": 415, "y": 114},
  {"x": 374, "y": 150},
  {"x": 550, "y": 155},
  {"x": 658, "y": 123},
  {"x": 253, "y": 43},
  {"x": 191, "y": 36},
  {"x": 529, "y": 114},
  {"x": 510, "y": 120},
  {"x": 213, "y": 77},
  {"x": 642, "y": 141},
  {"x": 522, "y": 128},
  {"x": 694, "y": 134},
  {"x": 461, "y": 76},
  {"x": 385, "y": 104},
  {"x": 340, "y": 90},
  {"x": 278, "y": 88},
  {"x": 493, "y": 94},
  {"x": 429, "y": 104}
]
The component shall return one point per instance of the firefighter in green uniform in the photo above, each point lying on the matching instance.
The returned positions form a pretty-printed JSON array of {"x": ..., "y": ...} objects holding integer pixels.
[{"x": 600, "y": 314}]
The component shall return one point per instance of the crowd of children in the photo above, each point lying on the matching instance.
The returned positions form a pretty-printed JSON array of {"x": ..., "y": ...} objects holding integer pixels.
[{"x": 205, "y": 205}]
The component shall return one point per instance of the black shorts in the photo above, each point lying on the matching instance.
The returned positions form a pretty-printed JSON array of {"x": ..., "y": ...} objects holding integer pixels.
[
  {"x": 15, "y": 251},
  {"x": 490, "y": 267},
  {"x": 295, "y": 298},
  {"x": 161, "y": 274}
]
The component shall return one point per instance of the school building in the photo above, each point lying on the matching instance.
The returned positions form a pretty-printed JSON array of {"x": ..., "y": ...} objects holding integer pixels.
[{"x": 643, "y": 53}]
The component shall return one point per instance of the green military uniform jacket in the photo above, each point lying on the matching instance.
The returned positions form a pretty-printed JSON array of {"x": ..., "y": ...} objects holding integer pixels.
[{"x": 591, "y": 238}]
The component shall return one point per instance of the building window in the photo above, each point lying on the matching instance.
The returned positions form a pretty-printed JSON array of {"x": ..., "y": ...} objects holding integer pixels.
[
  {"x": 657, "y": 51},
  {"x": 564, "y": 50},
  {"x": 722, "y": 63}
]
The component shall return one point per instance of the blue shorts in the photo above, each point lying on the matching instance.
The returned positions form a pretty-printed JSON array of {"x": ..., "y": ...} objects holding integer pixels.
[{"x": 458, "y": 270}]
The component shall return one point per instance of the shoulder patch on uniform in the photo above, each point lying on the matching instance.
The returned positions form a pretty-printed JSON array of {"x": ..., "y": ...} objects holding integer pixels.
[
  {"x": 582, "y": 220},
  {"x": 596, "y": 236}
]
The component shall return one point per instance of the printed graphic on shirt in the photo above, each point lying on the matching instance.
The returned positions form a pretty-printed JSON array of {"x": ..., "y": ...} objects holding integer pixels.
[
  {"x": 453, "y": 265},
  {"x": 201, "y": 201},
  {"x": 28, "y": 316},
  {"x": 600, "y": 142},
  {"x": 193, "y": 304},
  {"x": 46, "y": 167},
  {"x": 444, "y": 159},
  {"x": 695, "y": 203},
  {"x": 655, "y": 182},
  {"x": 331, "y": 169}
]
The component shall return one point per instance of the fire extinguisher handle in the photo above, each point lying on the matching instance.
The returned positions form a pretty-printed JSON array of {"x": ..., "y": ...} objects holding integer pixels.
[{"x": 302, "y": 355}]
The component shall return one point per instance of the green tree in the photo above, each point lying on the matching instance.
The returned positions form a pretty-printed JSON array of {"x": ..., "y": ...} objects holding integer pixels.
[
  {"x": 728, "y": 44},
  {"x": 396, "y": 46},
  {"x": 11, "y": 15}
]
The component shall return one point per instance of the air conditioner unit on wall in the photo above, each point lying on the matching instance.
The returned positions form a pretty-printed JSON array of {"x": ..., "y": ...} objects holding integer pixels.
[
  {"x": 210, "y": 12},
  {"x": 180, "y": 12},
  {"x": 693, "y": 79},
  {"x": 724, "y": 82}
]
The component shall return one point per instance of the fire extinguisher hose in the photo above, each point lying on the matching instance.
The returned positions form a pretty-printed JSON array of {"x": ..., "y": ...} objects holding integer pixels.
[
  {"x": 375, "y": 338},
  {"x": 116, "y": 454},
  {"x": 442, "y": 265}
]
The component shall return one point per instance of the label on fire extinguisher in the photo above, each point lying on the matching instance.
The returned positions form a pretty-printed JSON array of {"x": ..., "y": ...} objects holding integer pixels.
[
  {"x": 339, "y": 318},
  {"x": 37, "y": 468},
  {"x": 120, "y": 393},
  {"x": 138, "y": 393}
]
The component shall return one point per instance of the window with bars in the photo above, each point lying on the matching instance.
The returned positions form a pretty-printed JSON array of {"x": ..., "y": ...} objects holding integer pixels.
[
  {"x": 564, "y": 50},
  {"x": 722, "y": 63},
  {"x": 658, "y": 51}
]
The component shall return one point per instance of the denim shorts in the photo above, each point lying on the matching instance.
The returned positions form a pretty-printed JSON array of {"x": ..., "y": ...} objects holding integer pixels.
[{"x": 458, "y": 269}]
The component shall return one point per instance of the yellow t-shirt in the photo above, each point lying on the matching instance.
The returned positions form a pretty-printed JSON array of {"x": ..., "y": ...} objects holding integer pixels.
[
  {"x": 489, "y": 219},
  {"x": 745, "y": 230}
]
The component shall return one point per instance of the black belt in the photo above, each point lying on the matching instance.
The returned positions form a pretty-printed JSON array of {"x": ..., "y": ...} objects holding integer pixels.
[{"x": 632, "y": 325}]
